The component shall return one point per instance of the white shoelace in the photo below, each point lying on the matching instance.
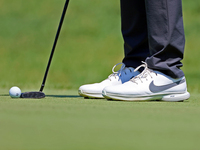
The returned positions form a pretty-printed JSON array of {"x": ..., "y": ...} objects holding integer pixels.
[
  {"x": 143, "y": 74},
  {"x": 119, "y": 72}
]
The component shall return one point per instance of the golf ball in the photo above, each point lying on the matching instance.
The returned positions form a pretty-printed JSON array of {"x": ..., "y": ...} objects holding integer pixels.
[{"x": 14, "y": 92}]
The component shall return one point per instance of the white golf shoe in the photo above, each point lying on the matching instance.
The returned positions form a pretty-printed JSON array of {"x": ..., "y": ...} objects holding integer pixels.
[
  {"x": 149, "y": 85},
  {"x": 116, "y": 78}
]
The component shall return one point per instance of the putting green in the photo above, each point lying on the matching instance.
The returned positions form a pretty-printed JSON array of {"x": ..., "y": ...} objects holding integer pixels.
[{"x": 63, "y": 120}]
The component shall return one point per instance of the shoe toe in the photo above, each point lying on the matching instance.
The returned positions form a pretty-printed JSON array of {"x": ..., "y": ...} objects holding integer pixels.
[{"x": 91, "y": 90}]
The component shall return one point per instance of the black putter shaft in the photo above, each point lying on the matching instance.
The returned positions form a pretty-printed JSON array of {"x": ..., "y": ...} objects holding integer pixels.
[{"x": 54, "y": 45}]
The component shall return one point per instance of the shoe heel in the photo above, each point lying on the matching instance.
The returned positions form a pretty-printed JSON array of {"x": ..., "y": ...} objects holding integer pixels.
[{"x": 176, "y": 97}]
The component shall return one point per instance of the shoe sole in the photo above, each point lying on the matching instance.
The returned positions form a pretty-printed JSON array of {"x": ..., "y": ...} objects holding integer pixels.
[
  {"x": 167, "y": 97},
  {"x": 90, "y": 95}
]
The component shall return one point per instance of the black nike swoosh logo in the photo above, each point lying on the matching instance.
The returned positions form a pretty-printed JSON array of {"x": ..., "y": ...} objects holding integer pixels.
[{"x": 153, "y": 88}]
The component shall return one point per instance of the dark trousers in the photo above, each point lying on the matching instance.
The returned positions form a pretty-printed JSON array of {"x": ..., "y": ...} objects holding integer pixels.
[{"x": 153, "y": 32}]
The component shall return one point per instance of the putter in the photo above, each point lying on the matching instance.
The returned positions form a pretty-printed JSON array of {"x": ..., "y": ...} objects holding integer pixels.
[{"x": 40, "y": 94}]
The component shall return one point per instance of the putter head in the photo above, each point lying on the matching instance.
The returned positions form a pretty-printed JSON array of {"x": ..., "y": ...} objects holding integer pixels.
[{"x": 35, "y": 95}]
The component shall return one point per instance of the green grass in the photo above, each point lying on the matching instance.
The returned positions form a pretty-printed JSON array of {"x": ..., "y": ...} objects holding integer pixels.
[
  {"x": 89, "y": 45},
  {"x": 65, "y": 121}
]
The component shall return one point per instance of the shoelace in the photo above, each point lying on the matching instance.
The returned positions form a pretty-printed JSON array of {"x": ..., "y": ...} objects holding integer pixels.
[
  {"x": 143, "y": 74},
  {"x": 119, "y": 72}
]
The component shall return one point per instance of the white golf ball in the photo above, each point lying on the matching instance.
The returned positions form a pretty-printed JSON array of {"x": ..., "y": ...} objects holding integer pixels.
[{"x": 14, "y": 92}]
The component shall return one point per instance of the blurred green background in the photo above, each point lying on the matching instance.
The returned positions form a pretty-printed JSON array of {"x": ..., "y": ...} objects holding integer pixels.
[{"x": 90, "y": 42}]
